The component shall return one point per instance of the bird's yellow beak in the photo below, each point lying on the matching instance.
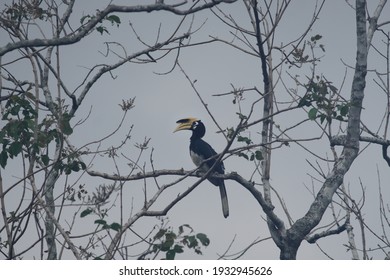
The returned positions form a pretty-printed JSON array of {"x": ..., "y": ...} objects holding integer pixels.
[{"x": 185, "y": 124}]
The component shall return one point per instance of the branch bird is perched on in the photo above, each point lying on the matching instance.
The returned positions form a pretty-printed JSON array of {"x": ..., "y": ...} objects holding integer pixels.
[{"x": 200, "y": 151}]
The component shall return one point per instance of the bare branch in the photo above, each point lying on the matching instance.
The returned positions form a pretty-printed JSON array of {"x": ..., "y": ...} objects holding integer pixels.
[
  {"x": 338, "y": 230},
  {"x": 100, "y": 15}
]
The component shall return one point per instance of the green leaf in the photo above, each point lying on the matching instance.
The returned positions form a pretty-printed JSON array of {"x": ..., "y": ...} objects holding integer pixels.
[
  {"x": 305, "y": 101},
  {"x": 45, "y": 159},
  {"x": 165, "y": 246},
  {"x": 114, "y": 19},
  {"x": 156, "y": 247},
  {"x": 3, "y": 158},
  {"x": 86, "y": 212},
  {"x": 247, "y": 140},
  {"x": 313, "y": 113},
  {"x": 67, "y": 170},
  {"x": 65, "y": 125},
  {"x": 170, "y": 255},
  {"x": 100, "y": 222},
  {"x": 75, "y": 166},
  {"x": 178, "y": 248},
  {"x": 322, "y": 118},
  {"x": 83, "y": 166},
  {"x": 203, "y": 239},
  {"x": 84, "y": 18},
  {"x": 160, "y": 234},
  {"x": 344, "y": 110},
  {"x": 15, "y": 148},
  {"x": 192, "y": 242},
  {"x": 243, "y": 155},
  {"x": 101, "y": 29},
  {"x": 181, "y": 228},
  {"x": 115, "y": 226},
  {"x": 15, "y": 110},
  {"x": 259, "y": 155},
  {"x": 170, "y": 235},
  {"x": 199, "y": 252},
  {"x": 316, "y": 38}
]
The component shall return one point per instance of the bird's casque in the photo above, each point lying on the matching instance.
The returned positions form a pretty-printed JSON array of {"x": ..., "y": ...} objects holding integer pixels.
[{"x": 200, "y": 151}]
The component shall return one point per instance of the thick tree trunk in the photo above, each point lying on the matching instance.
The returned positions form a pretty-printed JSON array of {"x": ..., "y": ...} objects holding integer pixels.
[
  {"x": 302, "y": 227},
  {"x": 49, "y": 223}
]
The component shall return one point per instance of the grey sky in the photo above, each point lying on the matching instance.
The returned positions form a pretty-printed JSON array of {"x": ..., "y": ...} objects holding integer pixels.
[{"x": 163, "y": 99}]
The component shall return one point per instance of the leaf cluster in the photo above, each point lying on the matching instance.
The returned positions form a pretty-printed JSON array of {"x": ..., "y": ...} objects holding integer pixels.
[
  {"x": 172, "y": 243},
  {"x": 101, "y": 220},
  {"x": 300, "y": 55},
  {"x": 321, "y": 95},
  {"x": 25, "y": 10},
  {"x": 22, "y": 132},
  {"x": 101, "y": 28},
  {"x": 71, "y": 165},
  {"x": 249, "y": 154}
]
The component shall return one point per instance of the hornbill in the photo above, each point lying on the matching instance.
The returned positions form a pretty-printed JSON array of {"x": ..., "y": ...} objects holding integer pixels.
[{"x": 200, "y": 151}]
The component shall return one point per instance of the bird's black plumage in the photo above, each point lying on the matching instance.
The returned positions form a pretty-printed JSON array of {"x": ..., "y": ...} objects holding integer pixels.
[{"x": 200, "y": 151}]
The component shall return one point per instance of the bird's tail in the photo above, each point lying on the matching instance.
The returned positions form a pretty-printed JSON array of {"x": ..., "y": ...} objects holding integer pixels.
[{"x": 224, "y": 199}]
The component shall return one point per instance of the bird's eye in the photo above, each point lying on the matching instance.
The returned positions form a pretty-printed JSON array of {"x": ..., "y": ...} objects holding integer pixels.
[{"x": 195, "y": 125}]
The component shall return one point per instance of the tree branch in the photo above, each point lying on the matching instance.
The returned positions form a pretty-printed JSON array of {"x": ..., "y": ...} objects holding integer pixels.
[
  {"x": 100, "y": 15},
  {"x": 250, "y": 186},
  {"x": 109, "y": 68},
  {"x": 340, "y": 140},
  {"x": 315, "y": 237},
  {"x": 303, "y": 226},
  {"x": 384, "y": 154},
  {"x": 373, "y": 22}
]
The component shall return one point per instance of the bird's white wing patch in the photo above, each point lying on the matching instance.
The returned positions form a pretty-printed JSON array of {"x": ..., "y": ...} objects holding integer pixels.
[{"x": 197, "y": 159}]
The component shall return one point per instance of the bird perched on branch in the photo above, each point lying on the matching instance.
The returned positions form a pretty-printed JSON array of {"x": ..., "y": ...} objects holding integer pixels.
[{"x": 204, "y": 156}]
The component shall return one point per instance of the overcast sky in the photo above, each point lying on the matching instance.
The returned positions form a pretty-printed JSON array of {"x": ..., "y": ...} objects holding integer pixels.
[{"x": 163, "y": 99}]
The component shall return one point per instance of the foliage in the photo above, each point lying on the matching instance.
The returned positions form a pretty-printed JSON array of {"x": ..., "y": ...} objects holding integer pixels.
[
  {"x": 25, "y": 10},
  {"x": 113, "y": 19},
  {"x": 22, "y": 131},
  {"x": 249, "y": 154},
  {"x": 322, "y": 97},
  {"x": 174, "y": 242}
]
